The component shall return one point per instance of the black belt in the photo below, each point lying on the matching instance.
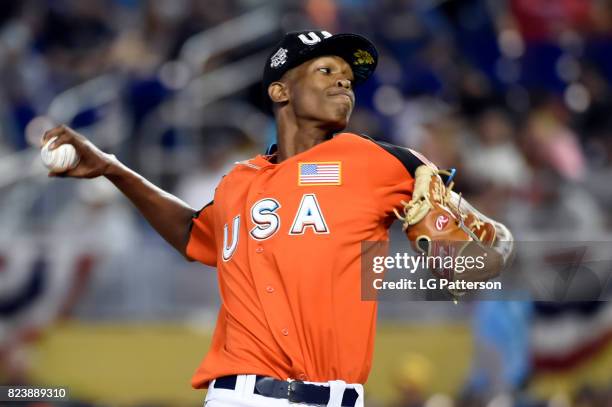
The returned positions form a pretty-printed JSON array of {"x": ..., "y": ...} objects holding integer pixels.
[{"x": 295, "y": 391}]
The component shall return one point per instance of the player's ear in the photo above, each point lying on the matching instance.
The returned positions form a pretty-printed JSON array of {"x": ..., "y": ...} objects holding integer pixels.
[{"x": 278, "y": 92}]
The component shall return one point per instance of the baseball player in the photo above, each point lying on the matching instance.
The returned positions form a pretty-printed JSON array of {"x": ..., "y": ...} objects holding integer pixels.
[{"x": 285, "y": 230}]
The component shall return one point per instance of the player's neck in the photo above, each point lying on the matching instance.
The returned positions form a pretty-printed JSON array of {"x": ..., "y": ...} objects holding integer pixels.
[{"x": 295, "y": 138}]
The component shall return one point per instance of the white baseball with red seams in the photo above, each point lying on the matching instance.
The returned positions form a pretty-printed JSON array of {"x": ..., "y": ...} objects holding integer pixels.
[{"x": 63, "y": 158}]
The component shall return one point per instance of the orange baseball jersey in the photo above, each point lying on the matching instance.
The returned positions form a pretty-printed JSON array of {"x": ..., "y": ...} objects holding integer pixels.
[{"x": 286, "y": 241}]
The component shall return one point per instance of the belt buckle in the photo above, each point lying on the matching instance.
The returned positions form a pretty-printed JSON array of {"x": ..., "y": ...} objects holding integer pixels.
[{"x": 291, "y": 389}]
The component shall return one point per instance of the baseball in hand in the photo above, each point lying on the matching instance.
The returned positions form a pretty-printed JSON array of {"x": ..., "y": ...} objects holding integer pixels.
[{"x": 63, "y": 158}]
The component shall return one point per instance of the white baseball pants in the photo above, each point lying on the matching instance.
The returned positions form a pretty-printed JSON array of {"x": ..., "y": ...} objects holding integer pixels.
[{"x": 243, "y": 395}]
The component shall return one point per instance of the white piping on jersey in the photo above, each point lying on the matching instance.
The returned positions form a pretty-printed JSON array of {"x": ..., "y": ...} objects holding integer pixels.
[{"x": 248, "y": 164}]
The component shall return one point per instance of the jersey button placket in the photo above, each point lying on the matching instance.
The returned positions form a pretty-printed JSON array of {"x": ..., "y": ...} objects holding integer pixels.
[{"x": 271, "y": 300}]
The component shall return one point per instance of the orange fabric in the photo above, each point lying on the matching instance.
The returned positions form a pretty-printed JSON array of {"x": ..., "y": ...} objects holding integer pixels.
[
  {"x": 291, "y": 305},
  {"x": 203, "y": 234}
]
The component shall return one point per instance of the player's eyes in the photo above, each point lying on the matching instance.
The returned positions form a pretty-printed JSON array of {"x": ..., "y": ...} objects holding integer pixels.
[{"x": 325, "y": 70}]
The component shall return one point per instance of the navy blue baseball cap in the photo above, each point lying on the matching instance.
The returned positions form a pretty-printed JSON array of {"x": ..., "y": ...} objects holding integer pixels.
[{"x": 300, "y": 46}]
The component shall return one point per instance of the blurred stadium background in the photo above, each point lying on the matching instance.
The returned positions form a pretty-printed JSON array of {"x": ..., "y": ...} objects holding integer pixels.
[{"x": 515, "y": 93}]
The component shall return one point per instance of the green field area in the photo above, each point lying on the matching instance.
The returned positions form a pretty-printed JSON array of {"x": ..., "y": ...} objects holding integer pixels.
[{"x": 129, "y": 364}]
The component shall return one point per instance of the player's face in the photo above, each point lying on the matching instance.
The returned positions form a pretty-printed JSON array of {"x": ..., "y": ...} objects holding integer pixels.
[{"x": 321, "y": 90}]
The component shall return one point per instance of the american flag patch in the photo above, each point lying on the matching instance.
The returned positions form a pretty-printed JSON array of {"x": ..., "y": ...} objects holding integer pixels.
[{"x": 320, "y": 173}]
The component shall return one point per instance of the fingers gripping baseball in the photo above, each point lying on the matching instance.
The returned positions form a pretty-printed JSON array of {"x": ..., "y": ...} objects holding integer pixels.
[{"x": 85, "y": 161}]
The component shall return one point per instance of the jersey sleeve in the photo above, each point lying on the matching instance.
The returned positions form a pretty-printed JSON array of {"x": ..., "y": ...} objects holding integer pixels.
[
  {"x": 202, "y": 243},
  {"x": 394, "y": 175}
]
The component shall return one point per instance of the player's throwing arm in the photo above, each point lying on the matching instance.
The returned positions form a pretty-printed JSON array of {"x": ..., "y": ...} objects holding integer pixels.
[{"x": 168, "y": 215}]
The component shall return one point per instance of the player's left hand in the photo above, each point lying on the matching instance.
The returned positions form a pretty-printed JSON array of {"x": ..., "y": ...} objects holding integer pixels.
[{"x": 440, "y": 226}]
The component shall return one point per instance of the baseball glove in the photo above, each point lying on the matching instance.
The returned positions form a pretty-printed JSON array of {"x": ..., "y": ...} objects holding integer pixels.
[{"x": 440, "y": 224}]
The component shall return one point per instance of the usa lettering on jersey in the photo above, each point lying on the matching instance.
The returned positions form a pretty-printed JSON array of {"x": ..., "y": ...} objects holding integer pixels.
[{"x": 267, "y": 222}]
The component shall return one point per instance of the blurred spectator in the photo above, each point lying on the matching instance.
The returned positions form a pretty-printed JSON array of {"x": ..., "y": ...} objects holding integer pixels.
[
  {"x": 502, "y": 359},
  {"x": 413, "y": 380}
]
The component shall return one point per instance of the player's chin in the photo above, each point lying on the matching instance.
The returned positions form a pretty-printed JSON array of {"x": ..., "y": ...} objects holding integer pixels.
[{"x": 339, "y": 116}]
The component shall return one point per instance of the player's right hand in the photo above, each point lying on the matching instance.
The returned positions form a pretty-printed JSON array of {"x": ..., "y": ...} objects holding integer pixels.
[{"x": 93, "y": 161}]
